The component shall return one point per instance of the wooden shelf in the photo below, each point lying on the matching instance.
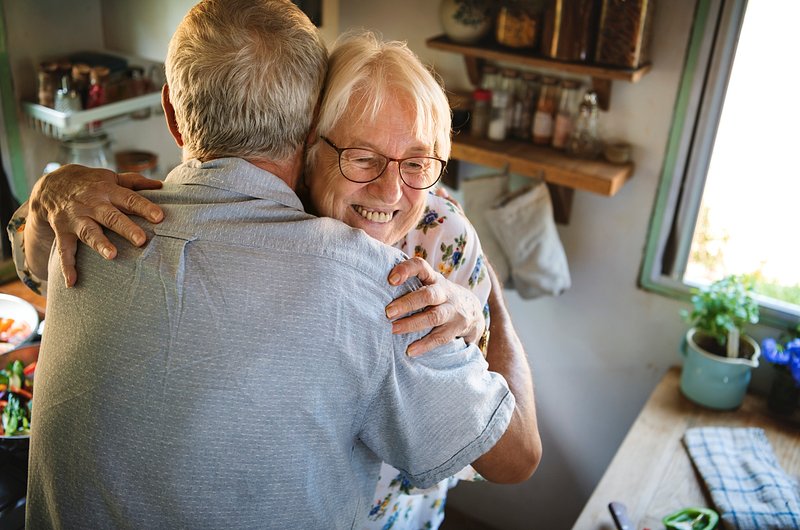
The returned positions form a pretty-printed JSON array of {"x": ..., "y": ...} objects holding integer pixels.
[
  {"x": 551, "y": 165},
  {"x": 475, "y": 54}
]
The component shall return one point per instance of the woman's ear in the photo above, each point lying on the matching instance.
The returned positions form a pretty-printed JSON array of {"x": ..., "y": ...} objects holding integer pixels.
[{"x": 169, "y": 115}]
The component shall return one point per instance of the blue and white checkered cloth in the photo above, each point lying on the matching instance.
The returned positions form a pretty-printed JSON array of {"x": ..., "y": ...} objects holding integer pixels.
[{"x": 749, "y": 488}]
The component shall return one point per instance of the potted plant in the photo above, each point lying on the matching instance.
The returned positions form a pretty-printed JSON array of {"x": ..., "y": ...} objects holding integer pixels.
[
  {"x": 784, "y": 356},
  {"x": 719, "y": 356}
]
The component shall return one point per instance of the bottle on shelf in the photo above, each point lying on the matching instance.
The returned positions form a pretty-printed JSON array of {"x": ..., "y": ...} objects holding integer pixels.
[
  {"x": 510, "y": 83},
  {"x": 98, "y": 79},
  {"x": 584, "y": 141},
  {"x": 527, "y": 106},
  {"x": 567, "y": 111},
  {"x": 67, "y": 99},
  {"x": 47, "y": 83},
  {"x": 490, "y": 77},
  {"x": 481, "y": 111},
  {"x": 80, "y": 81},
  {"x": 499, "y": 114},
  {"x": 546, "y": 107},
  {"x": 139, "y": 86}
]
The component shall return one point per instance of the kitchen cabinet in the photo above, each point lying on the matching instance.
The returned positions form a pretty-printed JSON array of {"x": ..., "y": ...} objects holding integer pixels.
[{"x": 563, "y": 174}]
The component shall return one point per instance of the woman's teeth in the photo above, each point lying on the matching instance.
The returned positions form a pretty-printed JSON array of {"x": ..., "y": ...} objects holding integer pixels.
[{"x": 375, "y": 217}]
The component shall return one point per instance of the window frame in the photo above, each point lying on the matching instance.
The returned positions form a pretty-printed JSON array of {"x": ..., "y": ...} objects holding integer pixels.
[{"x": 698, "y": 108}]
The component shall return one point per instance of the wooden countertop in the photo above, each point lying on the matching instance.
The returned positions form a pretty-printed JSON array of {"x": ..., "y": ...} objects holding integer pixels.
[
  {"x": 652, "y": 473},
  {"x": 17, "y": 288}
]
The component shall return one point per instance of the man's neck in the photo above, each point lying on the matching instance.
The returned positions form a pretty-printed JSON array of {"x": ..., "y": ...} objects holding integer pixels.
[{"x": 288, "y": 170}]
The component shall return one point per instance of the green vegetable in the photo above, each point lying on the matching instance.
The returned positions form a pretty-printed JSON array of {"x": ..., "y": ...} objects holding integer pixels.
[
  {"x": 16, "y": 374},
  {"x": 692, "y": 519},
  {"x": 15, "y": 420}
]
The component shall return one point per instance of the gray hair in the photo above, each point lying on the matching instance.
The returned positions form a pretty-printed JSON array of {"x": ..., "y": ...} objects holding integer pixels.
[
  {"x": 366, "y": 72},
  {"x": 244, "y": 78}
]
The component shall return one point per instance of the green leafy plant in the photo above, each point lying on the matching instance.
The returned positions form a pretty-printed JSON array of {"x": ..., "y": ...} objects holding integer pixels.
[{"x": 721, "y": 307}]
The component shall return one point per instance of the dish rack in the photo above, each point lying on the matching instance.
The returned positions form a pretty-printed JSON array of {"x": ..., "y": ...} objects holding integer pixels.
[{"x": 62, "y": 125}]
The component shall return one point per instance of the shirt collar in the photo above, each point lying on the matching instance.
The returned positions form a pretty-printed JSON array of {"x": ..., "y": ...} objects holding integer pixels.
[{"x": 237, "y": 175}]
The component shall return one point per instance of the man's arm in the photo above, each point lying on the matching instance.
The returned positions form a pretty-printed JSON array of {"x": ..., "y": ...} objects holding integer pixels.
[
  {"x": 516, "y": 455},
  {"x": 75, "y": 202}
]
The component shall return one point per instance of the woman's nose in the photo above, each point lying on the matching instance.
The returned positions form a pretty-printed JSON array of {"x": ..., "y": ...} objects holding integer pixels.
[{"x": 389, "y": 186}]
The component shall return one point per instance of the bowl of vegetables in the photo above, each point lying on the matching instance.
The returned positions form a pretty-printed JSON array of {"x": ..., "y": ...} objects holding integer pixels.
[
  {"x": 17, "y": 368},
  {"x": 18, "y": 322}
]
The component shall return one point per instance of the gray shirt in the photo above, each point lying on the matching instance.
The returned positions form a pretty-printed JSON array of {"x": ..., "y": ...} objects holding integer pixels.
[{"x": 238, "y": 371}]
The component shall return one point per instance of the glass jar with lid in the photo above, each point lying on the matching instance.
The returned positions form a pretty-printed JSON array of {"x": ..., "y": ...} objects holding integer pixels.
[
  {"x": 526, "y": 105},
  {"x": 91, "y": 150},
  {"x": 584, "y": 141},
  {"x": 567, "y": 111},
  {"x": 546, "y": 107}
]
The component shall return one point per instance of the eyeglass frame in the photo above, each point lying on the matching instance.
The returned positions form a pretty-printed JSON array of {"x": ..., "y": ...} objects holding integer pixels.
[{"x": 340, "y": 150}]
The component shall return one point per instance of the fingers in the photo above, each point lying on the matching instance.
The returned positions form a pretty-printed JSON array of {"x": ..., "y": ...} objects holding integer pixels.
[
  {"x": 132, "y": 203},
  {"x": 430, "y": 295},
  {"x": 92, "y": 234},
  {"x": 413, "y": 267},
  {"x": 432, "y": 340},
  {"x": 135, "y": 181},
  {"x": 116, "y": 221},
  {"x": 67, "y": 245},
  {"x": 433, "y": 316}
]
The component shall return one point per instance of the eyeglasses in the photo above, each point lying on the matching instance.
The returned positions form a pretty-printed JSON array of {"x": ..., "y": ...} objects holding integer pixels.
[{"x": 362, "y": 166}]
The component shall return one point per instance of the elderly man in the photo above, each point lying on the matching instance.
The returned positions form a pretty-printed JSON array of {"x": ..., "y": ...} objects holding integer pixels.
[{"x": 224, "y": 374}]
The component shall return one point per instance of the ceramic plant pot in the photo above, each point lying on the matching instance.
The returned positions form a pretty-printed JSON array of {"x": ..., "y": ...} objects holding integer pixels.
[
  {"x": 714, "y": 381},
  {"x": 462, "y": 22}
]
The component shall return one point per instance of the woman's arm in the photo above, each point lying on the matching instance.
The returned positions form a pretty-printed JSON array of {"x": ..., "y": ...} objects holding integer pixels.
[
  {"x": 516, "y": 455},
  {"x": 73, "y": 203}
]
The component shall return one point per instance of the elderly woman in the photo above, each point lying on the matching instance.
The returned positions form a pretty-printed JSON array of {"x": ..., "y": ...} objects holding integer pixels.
[{"x": 381, "y": 144}]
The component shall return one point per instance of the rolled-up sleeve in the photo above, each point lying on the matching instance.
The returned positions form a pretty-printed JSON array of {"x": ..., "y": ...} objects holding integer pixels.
[{"x": 16, "y": 234}]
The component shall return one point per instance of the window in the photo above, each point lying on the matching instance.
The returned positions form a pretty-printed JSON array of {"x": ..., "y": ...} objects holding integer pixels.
[{"x": 730, "y": 189}]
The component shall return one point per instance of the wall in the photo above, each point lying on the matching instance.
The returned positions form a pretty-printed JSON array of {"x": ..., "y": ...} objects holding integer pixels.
[{"x": 598, "y": 350}]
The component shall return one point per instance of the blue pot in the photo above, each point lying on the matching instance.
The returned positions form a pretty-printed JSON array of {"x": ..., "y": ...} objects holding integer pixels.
[{"x": 713, "y": 381}]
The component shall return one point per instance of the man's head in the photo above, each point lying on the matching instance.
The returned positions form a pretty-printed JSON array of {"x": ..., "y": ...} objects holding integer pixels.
[{"x": 244, "y": 77}]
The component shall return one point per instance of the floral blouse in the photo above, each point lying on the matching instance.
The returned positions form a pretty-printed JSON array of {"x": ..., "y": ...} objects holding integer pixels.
[{"x": 445, "y": 239}]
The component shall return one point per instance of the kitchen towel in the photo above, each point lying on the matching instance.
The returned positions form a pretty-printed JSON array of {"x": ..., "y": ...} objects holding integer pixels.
[
  {"x": 480, "y": 195},
  {"x": 524, "y": 226},
  {"x": 749, "y": 488}
]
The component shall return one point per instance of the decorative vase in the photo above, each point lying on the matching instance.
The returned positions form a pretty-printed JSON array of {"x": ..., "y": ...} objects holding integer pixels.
[
  {"x": 712, "y": 380},
  {"x": 784, "y": 394},
  {"x": 464, "y": 21}
]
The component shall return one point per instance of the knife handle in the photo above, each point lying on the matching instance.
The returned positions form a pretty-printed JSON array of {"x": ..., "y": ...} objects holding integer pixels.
[{"x": 620, "y": 515}]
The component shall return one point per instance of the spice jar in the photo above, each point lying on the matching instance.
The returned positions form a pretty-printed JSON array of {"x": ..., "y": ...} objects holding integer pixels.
[
  {"x": 481, "y": 109},
  {"x": 584, "y": 141},
  {"x": 491, "y": 77},
  {"x": 527, "y": 106},
  {"x": 80, "y": 81},
  {"x": 510, "y": 83},
  {"x": 516, "y": 27},
  {"x": 47, "y": 84},
  {"x": 499, "y": 113},
  {"x": 139, "y": 86},
  {"x": 545, "y": 111},
  {"x": 67, "y": 99},
  {"x": 567, "y": 110}
]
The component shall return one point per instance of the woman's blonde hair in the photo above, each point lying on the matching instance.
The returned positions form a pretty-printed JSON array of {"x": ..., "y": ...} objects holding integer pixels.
[
  {"x": 244, "y": 78},
  {"x": 365, "y": 72}
]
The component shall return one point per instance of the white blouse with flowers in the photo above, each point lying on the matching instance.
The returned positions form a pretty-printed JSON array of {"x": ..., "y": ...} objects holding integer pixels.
[{"x": 445, "y": 239}]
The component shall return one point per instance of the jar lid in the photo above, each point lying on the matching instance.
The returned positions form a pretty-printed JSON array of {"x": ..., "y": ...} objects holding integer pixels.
[
  {"x": 480, "y": 94},
  {"x": 135, "y": 161},
  {"x": 87, "y": 142}
]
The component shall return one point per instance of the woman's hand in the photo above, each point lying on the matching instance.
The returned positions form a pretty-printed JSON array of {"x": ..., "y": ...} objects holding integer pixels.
[
  {"x": 77, "y": 202},
  {"x": 450, "y": 309}
]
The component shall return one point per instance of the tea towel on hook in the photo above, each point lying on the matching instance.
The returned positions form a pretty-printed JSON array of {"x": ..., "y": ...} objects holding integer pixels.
[
  {"x": 524, "y": 226},
  {"x": 480, "y": 195},
  {"x": 747, "y": 484}
]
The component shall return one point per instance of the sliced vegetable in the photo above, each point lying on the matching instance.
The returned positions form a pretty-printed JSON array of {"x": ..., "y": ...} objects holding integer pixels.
[
  {"x": 28, "y": 371},
  {"x": 692, "y": 519}
]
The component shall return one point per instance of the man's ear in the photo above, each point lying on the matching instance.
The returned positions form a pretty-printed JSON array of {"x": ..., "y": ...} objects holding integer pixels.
[{"x": 169, "y": 115}]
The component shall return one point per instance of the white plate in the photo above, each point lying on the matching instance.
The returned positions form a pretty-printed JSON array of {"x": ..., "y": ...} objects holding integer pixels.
[{"x": 21, "y": 311}]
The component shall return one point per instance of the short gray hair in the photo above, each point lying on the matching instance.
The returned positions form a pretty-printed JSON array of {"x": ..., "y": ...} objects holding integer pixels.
[
  {"x": 244, "y": 78},
  {"x": 366, "y": 72}
]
